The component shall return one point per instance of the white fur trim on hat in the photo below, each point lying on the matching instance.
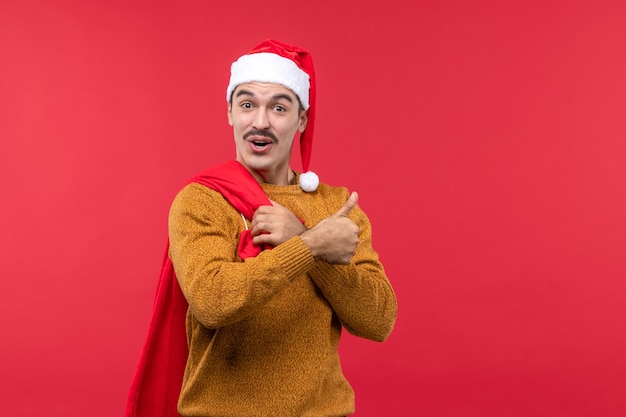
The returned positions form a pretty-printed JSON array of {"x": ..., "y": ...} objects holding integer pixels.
[{"x": 269, "y": 68}]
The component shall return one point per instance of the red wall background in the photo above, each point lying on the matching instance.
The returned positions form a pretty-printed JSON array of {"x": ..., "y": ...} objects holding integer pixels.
[{"x": 486, "y": 139}]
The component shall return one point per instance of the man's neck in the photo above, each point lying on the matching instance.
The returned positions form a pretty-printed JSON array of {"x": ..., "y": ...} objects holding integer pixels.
[{"x": 287, "y": 178}]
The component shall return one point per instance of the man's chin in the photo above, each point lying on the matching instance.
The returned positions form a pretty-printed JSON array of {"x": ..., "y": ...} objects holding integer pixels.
[
  {"x": 255, "y": 164},
  {"x": 256, "y": 167}
]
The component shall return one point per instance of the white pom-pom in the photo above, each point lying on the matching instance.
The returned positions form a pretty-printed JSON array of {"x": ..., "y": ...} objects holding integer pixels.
[{"x": 309, "y": 181}]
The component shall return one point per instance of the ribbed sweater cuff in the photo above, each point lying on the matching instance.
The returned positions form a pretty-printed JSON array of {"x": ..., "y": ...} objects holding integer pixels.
[{"x": 295, "y": 257}]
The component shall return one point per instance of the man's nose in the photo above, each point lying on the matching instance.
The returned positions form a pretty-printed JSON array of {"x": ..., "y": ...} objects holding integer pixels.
[{"x": 261, "y": 121}]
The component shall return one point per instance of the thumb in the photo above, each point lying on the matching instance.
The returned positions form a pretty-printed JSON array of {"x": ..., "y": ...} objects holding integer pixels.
[{"x": 349, "y": 205}]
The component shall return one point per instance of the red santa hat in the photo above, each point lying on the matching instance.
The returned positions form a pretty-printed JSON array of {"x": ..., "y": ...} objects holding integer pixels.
[{"x": 276, "y": 62}]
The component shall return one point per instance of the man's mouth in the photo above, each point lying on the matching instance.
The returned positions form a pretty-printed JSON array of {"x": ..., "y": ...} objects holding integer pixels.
[{"x": 260, "y": 143}]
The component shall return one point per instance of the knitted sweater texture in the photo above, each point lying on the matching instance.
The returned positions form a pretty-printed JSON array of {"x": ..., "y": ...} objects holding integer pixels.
[{"x": 263, "y": 333}]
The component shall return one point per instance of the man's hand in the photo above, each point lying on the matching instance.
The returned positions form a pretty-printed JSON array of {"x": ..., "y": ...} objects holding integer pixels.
[
  {"x": 273, "y": 225},
  {"x": 335, "y": 238}
]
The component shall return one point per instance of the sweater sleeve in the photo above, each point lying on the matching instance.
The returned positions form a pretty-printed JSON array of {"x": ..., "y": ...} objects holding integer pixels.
[
  {"x": 220, "y": 288},
  {"x": 360, "y": 293}
]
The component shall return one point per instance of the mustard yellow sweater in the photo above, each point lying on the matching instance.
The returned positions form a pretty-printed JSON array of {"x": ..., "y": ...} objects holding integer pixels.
[{"x": 263, "y": 333}]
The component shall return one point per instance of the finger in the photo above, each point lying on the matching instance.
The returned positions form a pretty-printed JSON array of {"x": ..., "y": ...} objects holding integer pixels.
[
  {"x": 263, "y": 210},
  {"x": 258, "y": 218},
  {"x": 263, "y": 239},
  {"x": 260, "y": 228},
  {"x": 348, "y": 205}
]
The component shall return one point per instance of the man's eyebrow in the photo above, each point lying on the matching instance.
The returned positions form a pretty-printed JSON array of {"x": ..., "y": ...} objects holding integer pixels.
[
  {"x": 283, "y": 96},
  {"x": 244, "y": 92}
]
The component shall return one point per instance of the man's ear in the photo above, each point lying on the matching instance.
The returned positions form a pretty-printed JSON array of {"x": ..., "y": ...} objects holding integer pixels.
[
  {"x": 304, "y": 118},
  {"x": 230, "y": 114}
]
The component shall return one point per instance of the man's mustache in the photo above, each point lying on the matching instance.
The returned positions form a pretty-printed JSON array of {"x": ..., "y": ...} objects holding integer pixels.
[{"x": 264, "y": 133}]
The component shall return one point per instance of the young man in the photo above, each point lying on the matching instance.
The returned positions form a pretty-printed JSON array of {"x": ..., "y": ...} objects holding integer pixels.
[{"x": 271, "y": 263}]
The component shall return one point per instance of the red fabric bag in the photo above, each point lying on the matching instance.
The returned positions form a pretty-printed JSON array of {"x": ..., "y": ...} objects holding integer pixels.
[{"x": 158, "y": 379}]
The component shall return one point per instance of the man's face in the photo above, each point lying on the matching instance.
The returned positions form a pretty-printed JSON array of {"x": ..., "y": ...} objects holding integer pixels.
[{"x": 265, "y": 118}]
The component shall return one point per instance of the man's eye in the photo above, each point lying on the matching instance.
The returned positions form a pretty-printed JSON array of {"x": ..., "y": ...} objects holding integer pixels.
[
  {"x": 246, "y": 105},
  {"x": 279, "y": 108}
]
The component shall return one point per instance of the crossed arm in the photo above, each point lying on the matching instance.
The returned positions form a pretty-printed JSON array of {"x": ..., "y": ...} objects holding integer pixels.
[{"x": 336, "y": 253}]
